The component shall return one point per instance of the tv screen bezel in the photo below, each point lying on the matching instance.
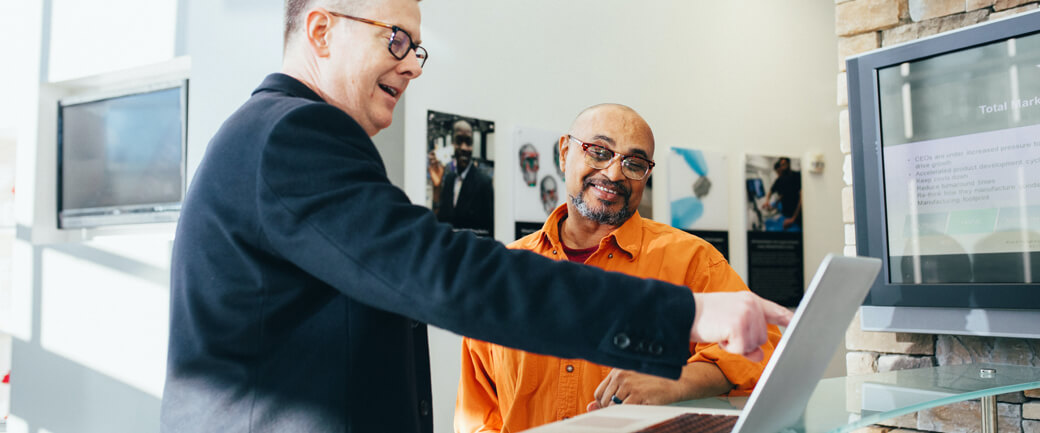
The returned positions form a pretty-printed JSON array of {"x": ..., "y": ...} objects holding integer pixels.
[
  {"x": 146, "y": 213},
  {"x": 868, "y": 180}
]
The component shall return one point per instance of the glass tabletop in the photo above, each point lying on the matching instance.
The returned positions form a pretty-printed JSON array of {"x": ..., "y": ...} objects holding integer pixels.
[{"x": 844, "y": 404}]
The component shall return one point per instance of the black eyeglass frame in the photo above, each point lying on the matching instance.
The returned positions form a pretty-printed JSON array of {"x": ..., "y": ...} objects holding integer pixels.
[
  {"x": 390, "y": 45},
  {"x": 613, "y": 155}
]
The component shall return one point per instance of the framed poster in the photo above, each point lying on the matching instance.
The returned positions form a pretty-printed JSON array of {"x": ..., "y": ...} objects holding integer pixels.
[{"x": 460, "y": 171}]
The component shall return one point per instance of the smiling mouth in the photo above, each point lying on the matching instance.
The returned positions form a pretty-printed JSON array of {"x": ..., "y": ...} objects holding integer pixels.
[
  {"x": 604, "y": 189},
  {"x": 611, "y": 188},
  {"x": 390, "y": 90}
]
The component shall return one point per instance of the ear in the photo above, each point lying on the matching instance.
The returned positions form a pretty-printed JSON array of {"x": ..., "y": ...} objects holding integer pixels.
[
  {"x": 318, "y": 31},
  {"x": 564, "y": 146}
]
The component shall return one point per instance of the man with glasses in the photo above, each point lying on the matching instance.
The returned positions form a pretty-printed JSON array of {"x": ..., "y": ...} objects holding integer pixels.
[
  {"x": 465, "y": 196},
  {"x": 606, "y": 158},
  {"x": 302, "y": 278}
]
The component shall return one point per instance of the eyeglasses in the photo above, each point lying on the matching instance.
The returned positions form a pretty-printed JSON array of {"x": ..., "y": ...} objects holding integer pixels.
[
  {"x": 400, "y": 41},
  {"x": 599, "y": 157}
]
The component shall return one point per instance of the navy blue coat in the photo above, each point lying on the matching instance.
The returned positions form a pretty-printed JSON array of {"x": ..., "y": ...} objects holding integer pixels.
[{"x": 302, "y": 279}]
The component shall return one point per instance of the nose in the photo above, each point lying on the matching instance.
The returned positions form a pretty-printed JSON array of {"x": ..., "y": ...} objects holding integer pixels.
[
  {"x": 613, "y": 171},
  {"x": 409, "y": 66}
]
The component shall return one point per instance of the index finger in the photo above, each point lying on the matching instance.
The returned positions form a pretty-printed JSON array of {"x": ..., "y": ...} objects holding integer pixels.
[{"x": 775, "y": 313}]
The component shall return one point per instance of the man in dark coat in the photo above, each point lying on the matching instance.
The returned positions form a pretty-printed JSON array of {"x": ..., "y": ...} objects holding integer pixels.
[
  {"x": 466, "y": 198},
  {"x": 302, "y": 278}
]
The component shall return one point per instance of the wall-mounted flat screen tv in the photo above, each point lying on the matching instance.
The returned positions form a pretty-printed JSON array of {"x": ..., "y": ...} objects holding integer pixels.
[
  {"x": 946, "y": 161},
  {"x": 121, "y": 156}
]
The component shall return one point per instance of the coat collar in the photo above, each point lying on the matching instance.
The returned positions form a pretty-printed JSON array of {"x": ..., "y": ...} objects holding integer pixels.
[{"x": 279, "y": 82}]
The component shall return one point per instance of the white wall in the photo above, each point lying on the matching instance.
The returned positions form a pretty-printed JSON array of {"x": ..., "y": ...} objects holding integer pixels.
[
  {"x": 88, "y": 314},
  {"x": 16, "y": 84},
  {"x": 732, "y": 77},
  {"x": 81, "y": 28}
]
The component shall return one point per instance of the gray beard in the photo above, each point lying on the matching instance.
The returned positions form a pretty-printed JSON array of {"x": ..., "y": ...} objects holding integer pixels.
[{"x": 602, "y": 216}]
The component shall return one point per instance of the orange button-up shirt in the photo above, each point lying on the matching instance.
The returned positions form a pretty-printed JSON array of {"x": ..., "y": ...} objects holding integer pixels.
[{"x": 508, "y": 390}]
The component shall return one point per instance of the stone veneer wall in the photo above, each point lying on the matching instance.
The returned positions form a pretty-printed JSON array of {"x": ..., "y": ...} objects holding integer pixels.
[{"x": 864, "y": 25}]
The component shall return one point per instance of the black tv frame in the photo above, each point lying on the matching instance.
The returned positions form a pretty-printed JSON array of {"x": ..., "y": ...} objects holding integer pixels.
[
  {"x": 868, "y": 181},
  {"x": 149, "y": 213}
]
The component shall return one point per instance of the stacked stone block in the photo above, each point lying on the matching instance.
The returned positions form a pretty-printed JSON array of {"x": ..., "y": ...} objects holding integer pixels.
[{"x": 865, "y": 25}]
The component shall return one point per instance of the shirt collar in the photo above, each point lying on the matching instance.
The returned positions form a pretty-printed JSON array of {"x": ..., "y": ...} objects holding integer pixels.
[
  {"x": 628, "y": 237},
  {"x": 462, "y": 176}
]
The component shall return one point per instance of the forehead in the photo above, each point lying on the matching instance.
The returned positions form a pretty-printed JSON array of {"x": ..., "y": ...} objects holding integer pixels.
[
  {"x": 618, "y": 129},
  {"x": 462, "y": 128}
]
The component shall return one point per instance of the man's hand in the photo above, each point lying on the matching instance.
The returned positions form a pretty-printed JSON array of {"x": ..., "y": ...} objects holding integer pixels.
[
  {"x": 698, "y": 380},
  {"x": 635, "y": 388},
  {"x": 737, "y": 321}
]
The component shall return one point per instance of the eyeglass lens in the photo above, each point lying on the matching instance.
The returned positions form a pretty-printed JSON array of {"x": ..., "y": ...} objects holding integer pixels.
[
  {"x": 632, "y": 167},
  {"x": 401, "y": 42}
]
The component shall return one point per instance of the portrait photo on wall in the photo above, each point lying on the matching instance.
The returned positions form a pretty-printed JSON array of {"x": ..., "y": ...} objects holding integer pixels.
[
  {"x": 538, "y": 182},
  {"x": 774, "y": 193},
  {"x": 459, "y": 171},
  {"x": 698, "y": 195},
  {"x": 773, "y": 187}
]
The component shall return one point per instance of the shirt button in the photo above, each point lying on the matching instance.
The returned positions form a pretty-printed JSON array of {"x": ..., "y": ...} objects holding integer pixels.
[
  {"x": 554, "y": 251},
  {"x": 570, "y": 369},
  {"x": 610, "y": 256},
  {"x": 622, "y": 341},
  {"x": 424, "y": 408}
]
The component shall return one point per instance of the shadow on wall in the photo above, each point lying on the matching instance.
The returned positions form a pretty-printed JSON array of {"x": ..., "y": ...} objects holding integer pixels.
[
  {"x": 79, "y": 400},
  {"x": 52, "y": 393}
]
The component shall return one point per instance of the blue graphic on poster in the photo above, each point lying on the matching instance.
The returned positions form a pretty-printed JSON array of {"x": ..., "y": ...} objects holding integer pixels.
[{"x": 698, "y": 190}]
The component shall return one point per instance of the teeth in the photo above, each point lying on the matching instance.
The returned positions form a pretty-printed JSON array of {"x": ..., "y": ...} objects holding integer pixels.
[
  {"x": 388, "y": 89},
  {"x": 604, "y": 189}
]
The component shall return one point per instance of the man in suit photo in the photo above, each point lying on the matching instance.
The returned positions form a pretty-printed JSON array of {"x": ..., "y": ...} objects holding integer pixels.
[{"x": 466, "y": 197}]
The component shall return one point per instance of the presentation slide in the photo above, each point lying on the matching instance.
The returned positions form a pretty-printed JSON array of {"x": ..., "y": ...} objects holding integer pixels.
[{"x": 966, "y": 195}]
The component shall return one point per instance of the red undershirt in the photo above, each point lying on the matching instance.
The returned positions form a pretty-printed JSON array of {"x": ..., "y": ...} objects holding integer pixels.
[
  {"x": 579, "y": 256},
  {"x": 576, "y": 256}
]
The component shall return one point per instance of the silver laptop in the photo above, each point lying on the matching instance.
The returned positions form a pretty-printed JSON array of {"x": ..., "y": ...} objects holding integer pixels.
[{"x": 779, "y": 399}]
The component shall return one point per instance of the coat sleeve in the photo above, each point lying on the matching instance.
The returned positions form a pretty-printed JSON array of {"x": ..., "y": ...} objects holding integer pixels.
[
  {"x": 327, "y": 206},
  {"x": 476, "y": 405}
]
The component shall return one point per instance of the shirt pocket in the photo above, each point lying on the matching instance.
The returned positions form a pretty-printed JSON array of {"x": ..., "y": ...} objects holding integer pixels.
[{"x": 520, "y": 373}]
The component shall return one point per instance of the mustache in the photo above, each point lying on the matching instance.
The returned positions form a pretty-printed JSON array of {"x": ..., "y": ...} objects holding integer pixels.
[{"x": 606, "y": 183}]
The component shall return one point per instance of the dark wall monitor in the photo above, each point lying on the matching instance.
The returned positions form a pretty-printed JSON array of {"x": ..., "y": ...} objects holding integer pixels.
[
  {"x": 946, "y": 163},
  {"x": 121, "y": 156}
]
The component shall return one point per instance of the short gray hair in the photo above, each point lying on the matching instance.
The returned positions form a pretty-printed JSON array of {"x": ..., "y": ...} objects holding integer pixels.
[{"x": 294, "y": 10}]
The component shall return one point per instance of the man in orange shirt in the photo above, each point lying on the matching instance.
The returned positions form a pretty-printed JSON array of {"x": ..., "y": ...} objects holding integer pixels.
[{"x": 606, "y": 159}]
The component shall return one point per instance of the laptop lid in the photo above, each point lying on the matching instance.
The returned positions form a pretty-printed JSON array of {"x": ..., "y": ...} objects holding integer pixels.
[{"x": 789, "y": 379}]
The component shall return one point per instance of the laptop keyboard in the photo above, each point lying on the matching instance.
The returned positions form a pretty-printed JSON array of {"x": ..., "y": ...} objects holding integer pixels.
[{"x": 694, "y": 422}]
